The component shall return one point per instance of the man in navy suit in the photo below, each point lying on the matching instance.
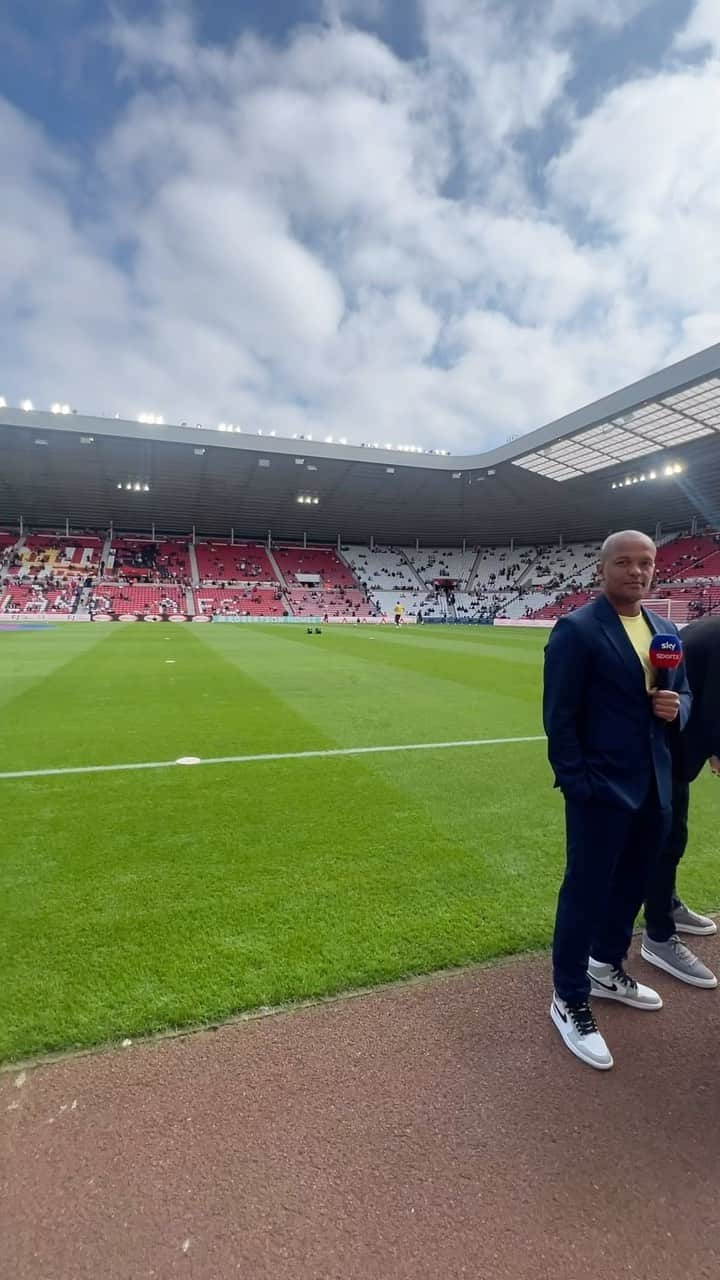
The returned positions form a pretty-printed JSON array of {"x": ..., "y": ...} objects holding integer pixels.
[
  {"x": 609, "y": 730},
  {"x": 666, "y": 915}
]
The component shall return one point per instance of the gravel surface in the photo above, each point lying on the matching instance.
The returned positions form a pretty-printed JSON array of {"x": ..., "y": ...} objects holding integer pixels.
[{"x": 429, "y": 1131}]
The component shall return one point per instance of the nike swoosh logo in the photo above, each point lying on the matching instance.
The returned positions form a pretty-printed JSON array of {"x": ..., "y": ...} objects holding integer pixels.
[
  {"x": 605, "y": 985},
  {"x": 559, "y": 1012}
]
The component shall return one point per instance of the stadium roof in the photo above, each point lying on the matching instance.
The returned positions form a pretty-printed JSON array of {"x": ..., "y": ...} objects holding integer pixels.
[{"x": 646, "y": 454}]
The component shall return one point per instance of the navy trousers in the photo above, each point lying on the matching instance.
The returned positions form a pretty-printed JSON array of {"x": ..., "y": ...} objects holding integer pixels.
[
  {"x": 611, "y": 856},
  {"x": 662, "y": 896}
]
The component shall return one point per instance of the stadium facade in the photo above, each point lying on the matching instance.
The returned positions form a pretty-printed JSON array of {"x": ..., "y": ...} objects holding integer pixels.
[{"x": 643, "y": 456}]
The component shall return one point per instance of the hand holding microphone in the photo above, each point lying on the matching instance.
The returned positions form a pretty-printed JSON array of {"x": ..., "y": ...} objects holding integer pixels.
[{"x": 665, "y": 656}]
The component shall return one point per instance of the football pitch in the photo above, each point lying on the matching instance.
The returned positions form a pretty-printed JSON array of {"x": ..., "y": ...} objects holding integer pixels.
[{"x": 135, "y": 900}]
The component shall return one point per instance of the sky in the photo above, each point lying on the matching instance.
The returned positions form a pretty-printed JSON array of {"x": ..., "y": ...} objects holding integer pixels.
[{"x": 431, "y": 222}]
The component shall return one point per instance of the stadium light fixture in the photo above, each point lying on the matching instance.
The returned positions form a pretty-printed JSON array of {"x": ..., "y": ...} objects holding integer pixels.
[
  {"x": 315, "y": 501},
  {"x": 26, "y": 405},
  {"x": 146, "y": 488},
  {"x": 342, "y": 440},
  {"x": 3, "y": 402}
]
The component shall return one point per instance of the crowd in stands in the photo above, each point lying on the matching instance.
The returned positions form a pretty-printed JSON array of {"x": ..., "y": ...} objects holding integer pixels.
[
  {"x": 383, "y": 569},
  {"x": 138, "y": 560},
  {"x": 255, "y": 602},
  {"x": 222, "y": 564},
  {"x": 299, "y": 564},
  {"x": 37, "y": 598},
  {"x": 135, "y": 599},
  {"x": 339, "y": 603},
  {"x": 48, "y": 573}
]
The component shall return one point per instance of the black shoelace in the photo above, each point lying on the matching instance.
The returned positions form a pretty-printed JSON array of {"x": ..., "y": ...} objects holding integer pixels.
[
  {"x": 582, "y": 1016},
  {"x": 624, "y": 980}
]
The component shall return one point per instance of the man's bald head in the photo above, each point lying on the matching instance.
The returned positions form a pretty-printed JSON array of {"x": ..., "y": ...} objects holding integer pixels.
[
  {"x": 627, "y": 566},
  {"x": 615, "y": 541}
]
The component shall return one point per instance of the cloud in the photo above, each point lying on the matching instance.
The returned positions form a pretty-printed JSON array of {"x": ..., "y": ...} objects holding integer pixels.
[
  {"x": 702, "y": 29},
  {"x": 564, "y": 14},
  {"x": 321, "y": 237},
  {"x": 644, "y": 169}
]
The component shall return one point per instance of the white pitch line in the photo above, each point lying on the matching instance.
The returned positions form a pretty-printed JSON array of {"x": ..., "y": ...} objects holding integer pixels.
[{"x": 274, "y": 755}]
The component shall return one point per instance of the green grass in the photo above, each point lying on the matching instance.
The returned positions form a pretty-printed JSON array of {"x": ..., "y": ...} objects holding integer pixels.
[{"x": 137, "y": 901}]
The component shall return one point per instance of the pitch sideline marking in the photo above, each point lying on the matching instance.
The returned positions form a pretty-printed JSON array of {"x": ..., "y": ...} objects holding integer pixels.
[{"x": 257, "y": 759}]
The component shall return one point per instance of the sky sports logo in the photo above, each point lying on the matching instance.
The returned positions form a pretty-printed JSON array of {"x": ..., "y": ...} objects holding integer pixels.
[{"x": 666, "y": 652}]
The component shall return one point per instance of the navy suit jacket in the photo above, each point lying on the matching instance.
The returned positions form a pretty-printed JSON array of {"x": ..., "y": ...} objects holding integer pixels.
[
  {"x": 701, "y": 736},
  {"x": 604, "y": 743}
]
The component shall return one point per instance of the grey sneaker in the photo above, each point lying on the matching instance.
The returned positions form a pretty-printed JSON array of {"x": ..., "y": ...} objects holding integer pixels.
[
  {"x": 687, "y": 921},
  {"x": 675, "y": 958},
  {"x": 579, "y": 1030},
  {"x": 609, "y": 982}
]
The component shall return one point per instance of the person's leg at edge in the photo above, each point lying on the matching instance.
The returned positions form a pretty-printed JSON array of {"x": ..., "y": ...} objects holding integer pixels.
[{"x": 662, "y": 899}]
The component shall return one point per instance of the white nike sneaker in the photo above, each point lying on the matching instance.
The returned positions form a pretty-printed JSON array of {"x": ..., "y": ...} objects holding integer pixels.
[
  {"x": 611, "y": 982},
  {"x": 579, "y": 1030}
]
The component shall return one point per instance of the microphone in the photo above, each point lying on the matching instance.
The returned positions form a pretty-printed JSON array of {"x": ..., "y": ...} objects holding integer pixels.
[{"x": 666, "y": 654}]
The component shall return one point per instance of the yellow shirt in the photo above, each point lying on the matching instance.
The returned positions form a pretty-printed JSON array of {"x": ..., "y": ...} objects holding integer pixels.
[{"x": 640, "y": 636}]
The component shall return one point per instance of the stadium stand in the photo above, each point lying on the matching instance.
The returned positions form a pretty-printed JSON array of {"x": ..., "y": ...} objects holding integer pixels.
[
  {"x": 49, "y": 556},
  {"x": 44, "y": 573},
  {"x": 152, "y": 601},
  {"x": 691, "y": 557},
  {"x": 411, "y": 601},
  {"x": 255, "y": 602},
  {"x": 15, "y": 598},
  {"x": 433, "y": 563},
  {"x": 7, "y": 540},
  {"x": 498, "y": 568},
  {"x": 297, "y": 564},
  {"x": 149, "y": 560},
  {"x": 383, "y": 569},
  {"x": 223, "y": 562},
  {"x": 554, "y": 566},
  {"x": 341, "y": 603}
]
